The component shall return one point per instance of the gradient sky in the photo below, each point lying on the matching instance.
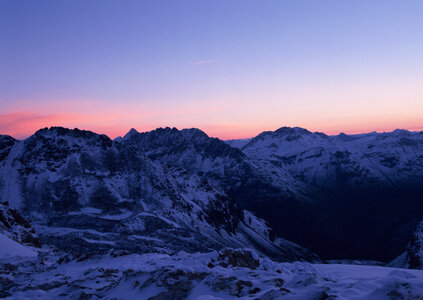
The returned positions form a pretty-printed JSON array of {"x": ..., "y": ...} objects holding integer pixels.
[{"x": 231, "y": 68}]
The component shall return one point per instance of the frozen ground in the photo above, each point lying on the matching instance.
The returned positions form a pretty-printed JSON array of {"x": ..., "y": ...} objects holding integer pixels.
[
  {"x": 10, "y": 248},
  {"x": 228, "y": 274}
]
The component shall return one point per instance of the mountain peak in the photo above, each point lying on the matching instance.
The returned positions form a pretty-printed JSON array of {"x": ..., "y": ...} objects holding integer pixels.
[
  {"x": 194, "y": 132},
  {"x": 131, "y": 133},
  {"x": 62, "y": 131},
  {"x": 292, "y": 130},
  {"x": 345, "y": 137},
  {"x": 66, "y": 136},
  {"x": 400, "y": 132}
]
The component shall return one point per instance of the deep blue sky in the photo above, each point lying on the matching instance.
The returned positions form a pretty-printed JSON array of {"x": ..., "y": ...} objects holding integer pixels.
[{"x": 233, "y": 68}]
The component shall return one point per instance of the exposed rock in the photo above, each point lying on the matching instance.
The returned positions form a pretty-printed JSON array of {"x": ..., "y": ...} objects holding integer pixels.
[
  {"x": 15, "y": 226},
  {"x": 238, "y": 258}
]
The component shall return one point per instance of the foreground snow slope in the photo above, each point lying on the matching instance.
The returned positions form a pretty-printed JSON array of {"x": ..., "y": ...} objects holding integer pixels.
[
  {"x": 10, "y": 248},
  {"x": 227, "y": 274}
]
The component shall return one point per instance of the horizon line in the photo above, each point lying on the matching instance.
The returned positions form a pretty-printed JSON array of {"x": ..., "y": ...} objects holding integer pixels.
[{"x": 411, "y": 130}]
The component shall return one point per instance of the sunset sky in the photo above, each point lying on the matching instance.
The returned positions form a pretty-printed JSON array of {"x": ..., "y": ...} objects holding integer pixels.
[{"x": 230, "y": 68}]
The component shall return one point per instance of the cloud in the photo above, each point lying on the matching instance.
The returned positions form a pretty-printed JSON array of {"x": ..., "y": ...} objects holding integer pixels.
[{"x": 203, "y": 62}]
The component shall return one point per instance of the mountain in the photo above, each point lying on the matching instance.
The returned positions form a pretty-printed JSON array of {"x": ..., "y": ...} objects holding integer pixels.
[
  {"x": 162, "y": 191},
  {"x": 357, "y": 196},
  {"x": 175, "y": 214},
  {"x": 342, "y": 197}
]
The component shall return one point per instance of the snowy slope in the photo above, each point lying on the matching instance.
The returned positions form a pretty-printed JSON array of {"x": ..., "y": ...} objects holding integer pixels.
[
  {"x": 226, "y": 274},
  {"x": 238, "y": 143},
  {"x": 10, "y": 248}
]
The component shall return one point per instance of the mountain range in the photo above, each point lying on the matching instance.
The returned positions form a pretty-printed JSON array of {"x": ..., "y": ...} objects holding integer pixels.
[
  {"x": 356, "y": 196},
  {"x": 288, "y": 195}
]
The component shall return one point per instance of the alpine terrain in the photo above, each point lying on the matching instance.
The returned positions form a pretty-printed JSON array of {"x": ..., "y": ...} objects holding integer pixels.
[{"x": 175, "y": 214}]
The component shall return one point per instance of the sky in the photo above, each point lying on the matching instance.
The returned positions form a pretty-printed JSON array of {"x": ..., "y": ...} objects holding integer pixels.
[{"x": 231, "y": 68}]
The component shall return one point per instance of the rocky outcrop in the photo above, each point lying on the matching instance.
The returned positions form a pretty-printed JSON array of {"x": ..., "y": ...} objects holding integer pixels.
[
  {"x": 412, "y": 258},
  {"x": 16, "y": 227}
]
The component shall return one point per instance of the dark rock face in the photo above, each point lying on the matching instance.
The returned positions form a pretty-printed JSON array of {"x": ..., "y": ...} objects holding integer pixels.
[
  {"x": 15, "y": 226},
  {"x": 6, "y": 144},
  {"x": 413, "y": 256},
  {"x": 238, "y": 258},
  {"x": 415, "y": 248}
]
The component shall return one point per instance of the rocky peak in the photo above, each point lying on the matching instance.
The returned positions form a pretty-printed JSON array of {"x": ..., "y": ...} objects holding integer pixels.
[
  {"x": 291, "y": 130},
  {"x": 400, "y": 132},
  {"x": 71, "y": 136},
  {"x": 164, "y": 142},
  {"x": 131, "y": 133}
]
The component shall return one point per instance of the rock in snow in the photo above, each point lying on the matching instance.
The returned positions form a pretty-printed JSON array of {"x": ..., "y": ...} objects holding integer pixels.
[{"x": 201, "y": 276}]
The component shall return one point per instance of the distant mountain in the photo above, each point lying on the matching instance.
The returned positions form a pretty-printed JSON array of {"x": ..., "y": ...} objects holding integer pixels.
[{"x": 358, "y": 196}]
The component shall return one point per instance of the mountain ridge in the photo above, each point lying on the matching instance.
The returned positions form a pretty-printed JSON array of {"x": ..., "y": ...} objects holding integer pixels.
[
  {"x": 290, "y": 172},
  {"x": 82, "y": 181}
]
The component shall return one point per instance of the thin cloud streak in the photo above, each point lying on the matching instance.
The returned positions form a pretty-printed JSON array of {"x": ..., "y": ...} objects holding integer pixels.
[{"x": 203, "y": 62}]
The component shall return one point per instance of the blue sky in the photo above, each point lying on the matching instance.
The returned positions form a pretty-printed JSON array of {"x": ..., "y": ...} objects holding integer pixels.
[{"x": 232, "y": 68}]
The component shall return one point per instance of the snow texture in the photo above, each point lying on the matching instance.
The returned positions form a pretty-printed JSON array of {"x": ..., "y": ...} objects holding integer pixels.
[{"x": 10, "y": 248}]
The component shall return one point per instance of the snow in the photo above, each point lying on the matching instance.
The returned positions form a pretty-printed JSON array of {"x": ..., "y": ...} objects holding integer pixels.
[
  {"x": 142, "y": 237},
  {"x": 86, "y": 210},
  {"x": 176, "y": 225},
  {"x": 59, "y": 231},
  {"x": 117, "y": 217},
  {"x": 189, "y": 276},
  {"x": 371, "y": 282},
  {"x": 10, "y": 248},
  {"x": 91, "y": 241},
  {"x": 10, "y": 177}
]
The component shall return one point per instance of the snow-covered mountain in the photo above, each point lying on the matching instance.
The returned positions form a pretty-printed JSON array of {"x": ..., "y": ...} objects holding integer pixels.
[
  {"x": 151, "y": 215},
  {"x": 161, "y": 191},
  {"x": 394, "y": 158},
  {"x": 345, "y": 196},
  {"x": 361, "y": 195}
]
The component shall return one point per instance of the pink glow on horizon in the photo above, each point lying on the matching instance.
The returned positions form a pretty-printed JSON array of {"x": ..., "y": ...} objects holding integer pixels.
[
  {"x": 23, "y": 124},
  {"x": 231, "y": 116}
]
